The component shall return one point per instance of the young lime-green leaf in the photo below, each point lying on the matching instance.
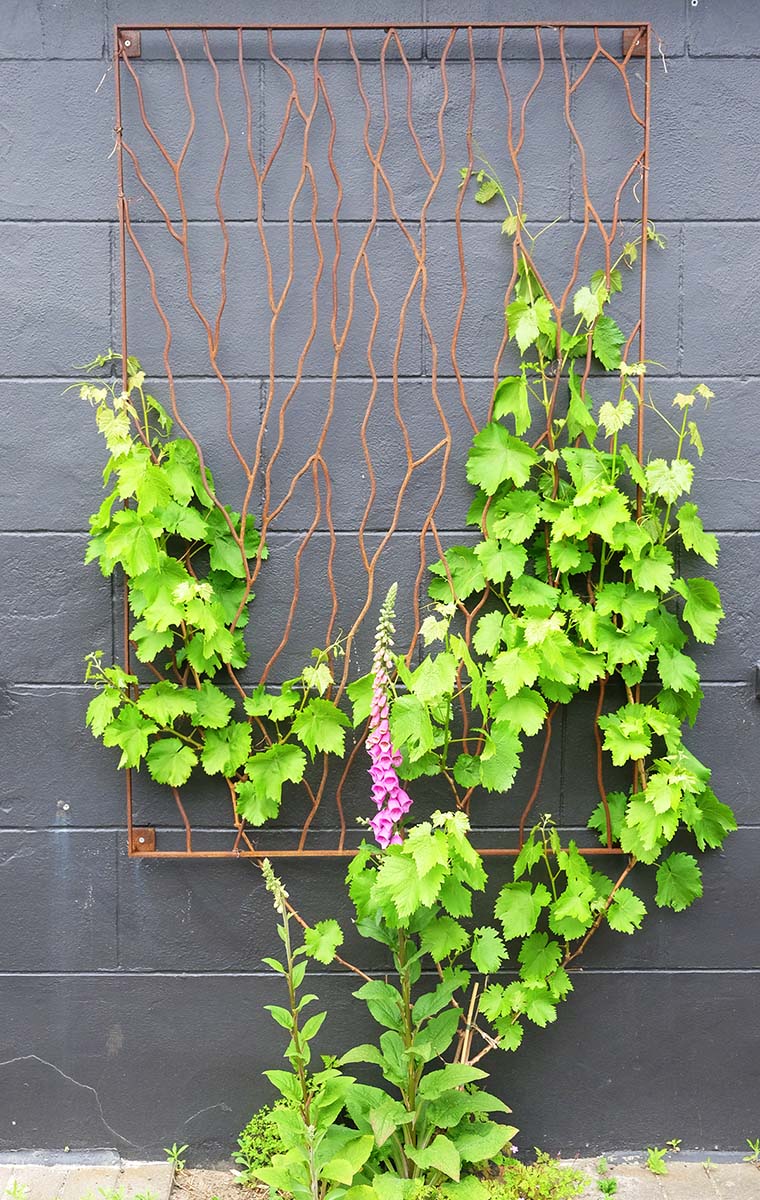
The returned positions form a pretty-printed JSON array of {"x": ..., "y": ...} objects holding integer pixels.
[
  {"x": 130, "y": 730},
  {"x": 262, "y": 703},
  {"x": 579, "y": 418},
  {"x": 487, "y": 189},
  {"x": 511, "y": 399},
  {"x": 539, "y": 957},
  {"x": 653, "y": 571},
  {"x": 693, "y": 534},
  {"x": 443, "y": 937},
  {"x": 317, "y": 678},
  {"x": 526, "y": 321},
  {"x": 679, "y": 882},
  {"x": 500, "y": 759},
  {"x": 101, "y": 708},
  {"x": 515, "y": 669},
  {"x": 518, "y": 907},
  {"x": 411, "y": 726},
  {"x": 466, "y": 573},
  {"x": 149, "y": 642},
  {"x": 588, "y": 304},
  {"x": 695, "y": 437},
  {"x": 524, "y": 712},
  {"x": 500, "y": 558},
  {"x": 428, "y": 847},
  {"x": 322, "y": 940},
  {"x": 607, "y": 342},
  {"x": 171, "y": 762},
  {"x": 540, "y": 1009},
  {"x": 488, "y": 635},
  {"x": 164, "y": 701},
  {"x": 360, "y": 695},
  {"x": 225, "y": 750},
  {"x": 703, "y": 610},
  {"x": 319, "y": 726},
  {"x": 259, "y": 797},
  {"x": 626, "y": 912},
  {"x": 435, "y": 678},
  {"x": 614, "y": 417},
  {"x": 496, "y": 456},
  {"x": 517, "y": 516},
  {"x": 669, "y": 480},
  {"x": 398, "y": 883},
  {"x": 212, "y": 706},
  {"x": 488, "y": 950},
  {"x": 709, "y": 820},
  {"x": 615, "y": 284},
  {"x": 676, "y": 670},
  {"x": 626, "y": 734},
  {"x": 479, "y": 1142},
  {"x": 133, "y": 541}
]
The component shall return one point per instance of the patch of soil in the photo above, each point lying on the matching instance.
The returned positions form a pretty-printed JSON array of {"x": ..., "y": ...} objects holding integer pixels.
[{"x": 200, "y": 1184}]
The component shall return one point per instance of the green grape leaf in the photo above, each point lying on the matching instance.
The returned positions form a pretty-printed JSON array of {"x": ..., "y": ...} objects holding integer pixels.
[
  {"x": 679, "y": 882},
  {"x": 212, "y": 706},
  {"x": 518, "y": 907},
  {"x": 617, "y": 803},
  {"x": 588, "y": 304},
  {"x": 669, "y": 480},
  {"x": 702, "y": 610},
  {"x": 488, "y": 635},
  {"x": 676, "y": 670},
  {"x": 626, "y": 912},
  {"x": 411, "y": 727},
  {"x": 488, "y": 950},
  {"x": 607, "y": 342},
  {"x": 130, "y": 730},
  {"x": 466, "y": 573},
  {"x": 443, "y": 937},
  {"x": 511, "y": 398},
  {"x": 539, "y": 957},
  {"x": 360, "y": 695},
  {"x": 496, "y": 456},
  {"x": 693, "y": 534},
  {"x": 500, "y": 558},
  {"x": 500, "y": 758},
  {"x": 525, "y": 712},
  {"x": 709, "y": 819},
  {"x": 435, "y": 678},
  {"x": 517, "y": 516},
  {"x": 225, "y": 750},
  {"x": 171, "y": 762},
  {"x": 163, "y": 701},
  {"x": 260, "y": 795},
  {"x": 319, "y": 726},
  {"x": 101, "y": 709},
  {"x": 525, "y": 321},
  {"x": 653, "y": 571},
  {"x": 322, "y": 940}
]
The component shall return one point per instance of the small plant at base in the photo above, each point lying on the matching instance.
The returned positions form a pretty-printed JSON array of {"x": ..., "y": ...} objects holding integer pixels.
[
  {"x": 754, "y": 1156},
  {"x": 545, "y": 1179},
  {"x": 174, "y": 1156},
  {"x": 656, "y": 1159},
  {"x": 258, "y": 1143},
  {"x": 606, "y": 1184},
  {"x": 16, "y": 1190}
]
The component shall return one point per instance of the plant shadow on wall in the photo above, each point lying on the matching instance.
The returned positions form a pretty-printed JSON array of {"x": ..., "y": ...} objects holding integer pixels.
[{"x": 573, "y": 583}]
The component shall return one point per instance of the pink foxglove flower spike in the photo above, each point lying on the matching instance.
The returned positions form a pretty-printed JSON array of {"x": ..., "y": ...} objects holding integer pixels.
[{"x": 389, "y": 796}]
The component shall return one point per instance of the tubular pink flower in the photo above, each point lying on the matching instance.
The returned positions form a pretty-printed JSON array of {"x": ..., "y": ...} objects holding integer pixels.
[{"x": 392, "y": 801}]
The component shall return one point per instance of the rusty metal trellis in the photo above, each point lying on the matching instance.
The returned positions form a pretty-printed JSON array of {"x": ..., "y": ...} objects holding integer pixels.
[{"x": 322, "y": 304}]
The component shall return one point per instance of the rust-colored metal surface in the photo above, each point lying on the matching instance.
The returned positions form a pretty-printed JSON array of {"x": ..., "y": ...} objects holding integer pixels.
[{"x": 314, "y": 291}]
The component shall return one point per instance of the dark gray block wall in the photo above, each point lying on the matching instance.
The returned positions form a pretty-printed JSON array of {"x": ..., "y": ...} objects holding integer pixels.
[{"x": 131, "y": 992}]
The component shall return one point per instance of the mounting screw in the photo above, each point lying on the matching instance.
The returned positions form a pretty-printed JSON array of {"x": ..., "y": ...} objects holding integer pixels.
[
  {"x": 634, "y": 43},
  {"x": 142, "y": 840},
  {"x": 129, "y": 43}
]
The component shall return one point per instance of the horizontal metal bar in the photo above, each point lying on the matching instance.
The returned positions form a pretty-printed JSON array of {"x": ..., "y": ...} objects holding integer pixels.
[
  {"x": 385, "y": 26},
  {"x": 489, "y": 852}
]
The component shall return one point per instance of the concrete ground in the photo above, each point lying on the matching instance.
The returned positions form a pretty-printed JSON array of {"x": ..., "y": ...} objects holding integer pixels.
[
  {"x": 99, "y": 1176},
  {"x": 683, "y": 1181}
]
